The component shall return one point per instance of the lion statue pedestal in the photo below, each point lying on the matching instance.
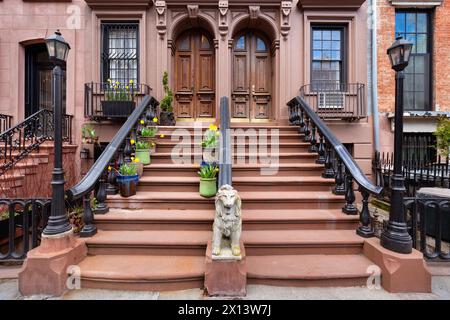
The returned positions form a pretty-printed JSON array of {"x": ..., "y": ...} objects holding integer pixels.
[{"x": 226, "y": 271}]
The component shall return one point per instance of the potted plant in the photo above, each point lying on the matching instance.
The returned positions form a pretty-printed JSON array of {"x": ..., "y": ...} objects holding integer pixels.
[
  {"x": 167, "y": 117},
  {"x": 88, "y": 139},
  {"x": 208, "y": 180},
  {"x": 118, "y": 99},
  {"x": 210, "y": 143},
  {"x": 143, "y": 152},
  {"x": 149, "y": 134},
  {"x": 128, "y": 179}
]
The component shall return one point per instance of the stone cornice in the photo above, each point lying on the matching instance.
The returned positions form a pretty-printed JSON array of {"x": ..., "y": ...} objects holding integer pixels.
[
  {"x": 315, "y": 4},
  {"x": 416, "y": 3},
  {"x": 119, "y": 4},
  {"x": 232, "y": 3}
]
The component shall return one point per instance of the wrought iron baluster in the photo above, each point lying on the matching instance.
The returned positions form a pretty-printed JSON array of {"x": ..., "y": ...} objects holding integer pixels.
[
  {"x": 321, "y": 149},
  {"x": 339, "y": 178},
  {"x": 313, "y": 147},
  {"x": 306, "y": 130},
  {"x": 329, "y": 172},
  {"x": 366, "y": 228},
  {"x": 89, "y": 228},
  {"x": 302, "y": 122},
  {"x": 350, "y": 198},
  {"x": 127, "y": 151}
]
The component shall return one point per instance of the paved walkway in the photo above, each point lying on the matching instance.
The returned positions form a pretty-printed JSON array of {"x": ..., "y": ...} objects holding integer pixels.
[
  {"x": 440, "y": 288},
  {"x": 441, "y": 291}
]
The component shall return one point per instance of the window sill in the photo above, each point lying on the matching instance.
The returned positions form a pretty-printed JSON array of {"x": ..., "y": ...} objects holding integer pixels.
[{"x": 416, "y": 3}]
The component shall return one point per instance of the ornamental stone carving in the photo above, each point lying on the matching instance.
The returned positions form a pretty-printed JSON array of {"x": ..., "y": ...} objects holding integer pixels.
[
  {"x": 286, "y": 9},
  {"x": 227, "y": 226},
  {"x": 192, "y": 11},
  {"x": 223, "y": 18},
  {"x": 254, "y": 11},
  {"x": 161, "y": 19}
]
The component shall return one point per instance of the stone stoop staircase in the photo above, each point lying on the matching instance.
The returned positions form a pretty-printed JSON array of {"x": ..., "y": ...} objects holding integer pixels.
[
  {"x": 13, "y": 184},
  {"x": 293, "y": 229}
]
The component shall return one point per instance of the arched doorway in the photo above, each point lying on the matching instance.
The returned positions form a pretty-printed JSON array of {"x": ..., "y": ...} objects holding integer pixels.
[
  {"x": 38, "y": 80},
  {"x": 194, "y": 75},
  {"x": 251, "y": 76}
]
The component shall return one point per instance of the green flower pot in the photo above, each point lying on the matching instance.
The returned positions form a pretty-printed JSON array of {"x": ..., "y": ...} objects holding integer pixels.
[
  {"x": 208, "y": 187},
  {"x": 143, "y": 155}
]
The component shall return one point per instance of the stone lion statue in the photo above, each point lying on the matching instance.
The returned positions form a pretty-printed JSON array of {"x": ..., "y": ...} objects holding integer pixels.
[{"x": 228, "y": 221}]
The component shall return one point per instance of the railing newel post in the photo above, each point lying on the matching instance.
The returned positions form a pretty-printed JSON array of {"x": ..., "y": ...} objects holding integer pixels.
[{"x": 102, "y": 207}]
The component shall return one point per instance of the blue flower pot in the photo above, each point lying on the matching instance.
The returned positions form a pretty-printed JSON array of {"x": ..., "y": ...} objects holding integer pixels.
[{"x": 127, "y": 185}]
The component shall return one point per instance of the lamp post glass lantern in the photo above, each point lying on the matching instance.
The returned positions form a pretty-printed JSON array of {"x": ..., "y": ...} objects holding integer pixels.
[
  {"x": 396, "y": 237},
  {"x": 58, "y": 221}
]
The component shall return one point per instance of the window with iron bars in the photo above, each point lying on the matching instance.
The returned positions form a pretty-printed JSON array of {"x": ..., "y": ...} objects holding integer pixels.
[
  {"x": 419, "y": 146},
  {"x": 120, "y": 52}
]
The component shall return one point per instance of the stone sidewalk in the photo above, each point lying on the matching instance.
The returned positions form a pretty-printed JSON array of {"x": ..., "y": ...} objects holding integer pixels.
[{"x": 440, "y": 291}]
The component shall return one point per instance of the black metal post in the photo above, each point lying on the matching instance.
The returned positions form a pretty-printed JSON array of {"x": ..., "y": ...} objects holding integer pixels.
[
  {"x": 58, "y": 221},
  {"x": 396, "y": 237}
]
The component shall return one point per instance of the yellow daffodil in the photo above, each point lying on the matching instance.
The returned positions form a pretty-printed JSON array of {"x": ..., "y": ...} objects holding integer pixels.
[
  {"x": 117, "y": 82},
  {"x": 127, "y": 87},
  {"x": 109, "y": 168},
  {"x": 216, "y": 170},
  {"x": 137, "y": 160},
  {"x": 162, "y": 136},
  {"x": 142, "y": 122},
  {"x": 155, "y": 120},
  {"x": 132, "y": 141},
  {"x": 109, "y": 80},
  {"x": 213, "y": 127},
  {"x": 131, "y": 81},
  {"x": 153, "y": 144},
  {"x": 132, "y": 158}
]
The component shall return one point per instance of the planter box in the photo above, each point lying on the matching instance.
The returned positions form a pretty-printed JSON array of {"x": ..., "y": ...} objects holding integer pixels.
[
  {"x": 127, "y": 185},
  {"x": 118, "y": 108}
]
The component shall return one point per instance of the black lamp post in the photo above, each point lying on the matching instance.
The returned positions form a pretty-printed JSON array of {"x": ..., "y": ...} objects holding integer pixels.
[
  {"x": 396, "y": 237},
  {"x": 58, "y": 221}
]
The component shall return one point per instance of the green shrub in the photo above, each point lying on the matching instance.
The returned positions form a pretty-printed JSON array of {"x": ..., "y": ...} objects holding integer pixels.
[
  {"x": 208, "y": 171},
  {"x": 442, "y": 134},
  {"x": 166, "y": 102}
]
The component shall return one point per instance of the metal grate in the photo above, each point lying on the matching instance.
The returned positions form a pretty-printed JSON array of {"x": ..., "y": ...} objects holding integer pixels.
[{"x": 120, "y": 52}]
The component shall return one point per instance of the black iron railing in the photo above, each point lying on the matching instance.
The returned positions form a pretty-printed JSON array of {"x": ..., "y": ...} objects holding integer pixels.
[
  {"x": 22, "y": 139},
  {"x": 419, "y": 171},
  {"x": 21, "y": 225},
  {"x": 330, "y": 150},
  {"x": 225, "y": 173},
  {"x": 118, "y": 151},
  {"x": 336, "y": 100},
  {"x": 429, "y": 221},
  {"x": 103, "y": 101},
  {"x": 5, "y": 122}
]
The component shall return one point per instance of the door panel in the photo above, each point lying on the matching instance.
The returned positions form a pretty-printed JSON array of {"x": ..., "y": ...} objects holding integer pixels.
[
  {"x": 252, "y": 70},
  {"x": 195, "y": 76}
]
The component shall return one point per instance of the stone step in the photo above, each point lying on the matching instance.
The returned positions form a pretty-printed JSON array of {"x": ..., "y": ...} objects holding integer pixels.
[
  {"x": 313, "y": 270},
  {"x": 150, "y": 219},
  {"x": 184, "y": 157},
  {"x": 291, "y": 169},
  {"x": 197, "y": 137},
  {"x": 240, "y": 129},
  {"x": 142, "y": 272},
  {"x": 193, "y": 243},
  {"x": 283, "y": 147},
  {"x": 252, "y": 200},
  {"x": 264, "y": 183}
]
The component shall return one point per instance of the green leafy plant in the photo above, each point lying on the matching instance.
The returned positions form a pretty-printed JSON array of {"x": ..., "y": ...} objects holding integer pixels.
[
  {"x": 208, "y": 171},
  {"x": 88, "y": 132},
  {"x": 149, "y": 132},
  {"x": 442, "y": 134},
  {"x": 142, "y": 145},
  {"x": 4, "y": 215},
  {"x": 166, "y": 102},
  {"x": 119, "y": 92},
  {"x": 211, "y": 138},
  {"x": 128, "y": 169}
]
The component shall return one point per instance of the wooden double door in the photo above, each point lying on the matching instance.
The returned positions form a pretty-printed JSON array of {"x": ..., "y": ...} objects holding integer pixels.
[
  {"x": 194, "y": 75},
  {"x": 252, "y": 77}
]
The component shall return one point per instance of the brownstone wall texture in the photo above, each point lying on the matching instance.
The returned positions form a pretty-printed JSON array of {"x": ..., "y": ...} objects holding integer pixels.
[{"x": 441, "y": 57}]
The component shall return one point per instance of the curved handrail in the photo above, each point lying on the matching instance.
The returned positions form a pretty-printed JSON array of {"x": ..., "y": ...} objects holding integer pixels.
[
  {"x": 87, "y": 184},
  {"x": 339, "y": 148}
]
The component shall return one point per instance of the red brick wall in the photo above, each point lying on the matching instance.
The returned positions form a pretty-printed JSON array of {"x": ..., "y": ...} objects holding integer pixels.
[{"x": 441, "y": 56}]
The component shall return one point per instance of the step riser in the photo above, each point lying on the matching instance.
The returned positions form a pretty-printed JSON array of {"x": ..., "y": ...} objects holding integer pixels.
[
  {"x": 321, "y": 283},
  {"x": 261, "y": 250},
  {"x": 180, "y": 172},
  {"x": 207, "y": 225},
  {"x": 281, "y": 148},
  {"x": 250, "y": 205},
  {"x": 193, "y": 138},
  {"x": 143, "y": 285},
  {"x": 156, "y": 159},
  {"x": 164, "y": 250},
  {"x": 238, "y": 186}
]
